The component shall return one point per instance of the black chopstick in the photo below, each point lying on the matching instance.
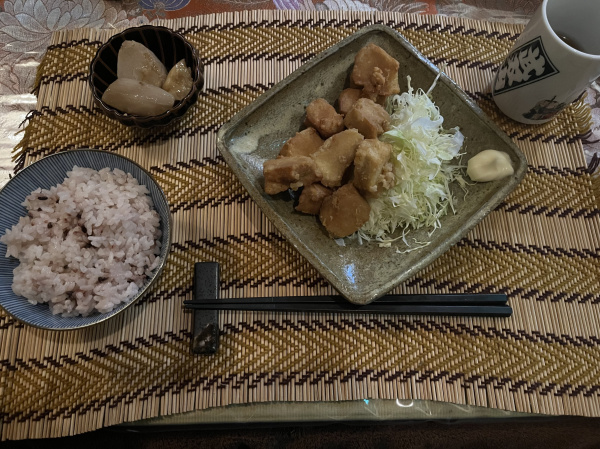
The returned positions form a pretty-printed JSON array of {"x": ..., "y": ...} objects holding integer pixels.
[
  {"x": 443, "y": 299},
  {"x": 206, "y": 305},
  {"x": 448, "y": 305}
]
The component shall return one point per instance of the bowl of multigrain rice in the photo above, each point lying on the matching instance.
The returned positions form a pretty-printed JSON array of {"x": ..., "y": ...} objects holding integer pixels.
[{"x": 83, "y": 235}]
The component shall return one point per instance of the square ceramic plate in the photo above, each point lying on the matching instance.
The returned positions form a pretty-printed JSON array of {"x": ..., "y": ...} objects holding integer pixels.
[{"x": 361, "y": 273}]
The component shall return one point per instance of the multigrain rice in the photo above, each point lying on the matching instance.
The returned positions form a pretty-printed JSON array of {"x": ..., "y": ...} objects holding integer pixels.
[{"x": 87, "y": 244}]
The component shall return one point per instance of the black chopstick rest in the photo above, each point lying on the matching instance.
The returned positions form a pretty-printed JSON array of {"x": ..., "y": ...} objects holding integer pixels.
[{"x": 205, "y": 339}]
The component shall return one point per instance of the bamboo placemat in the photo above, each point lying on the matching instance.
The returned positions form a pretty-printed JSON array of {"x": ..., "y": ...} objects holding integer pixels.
[{"x": 541, "y": 247}]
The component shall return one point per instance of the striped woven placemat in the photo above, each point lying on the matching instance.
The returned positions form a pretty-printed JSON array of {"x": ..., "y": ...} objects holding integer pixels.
[{"x": 541, "y": 247}]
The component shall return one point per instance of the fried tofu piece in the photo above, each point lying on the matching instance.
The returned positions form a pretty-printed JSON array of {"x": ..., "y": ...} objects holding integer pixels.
[
  {"x": 304, "y": 143},
  {"x": 311, "y": 198},
  {"x": 347, "y": 99},
  {"x": 324, "y": 118},
  {"x": 350, "y": 96},
  {"x": 336, "y": 155},
  {"x": 379, "y": 99},
  {"x": 375, "y": 71},
  {"x": 368, "y": 117},
  {"x": 289, "y": 173},
  {"x": 344, "y": 211},
  {"x": 372, "y": 167}
]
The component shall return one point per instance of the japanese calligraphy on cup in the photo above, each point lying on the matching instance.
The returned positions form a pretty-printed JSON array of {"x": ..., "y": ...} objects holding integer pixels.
[{"x": 552, "y": 62}]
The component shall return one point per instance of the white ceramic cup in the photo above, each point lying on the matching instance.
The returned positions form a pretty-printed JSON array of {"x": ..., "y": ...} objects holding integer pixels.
[{"x": 552, "y": 62}]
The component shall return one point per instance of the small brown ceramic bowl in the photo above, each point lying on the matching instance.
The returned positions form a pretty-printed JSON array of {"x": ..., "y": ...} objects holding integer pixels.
[{"x": 170, "y": 47}]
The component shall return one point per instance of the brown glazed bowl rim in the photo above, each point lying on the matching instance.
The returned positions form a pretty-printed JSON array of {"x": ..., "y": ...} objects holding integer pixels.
[{"x": 151, "y": 120}]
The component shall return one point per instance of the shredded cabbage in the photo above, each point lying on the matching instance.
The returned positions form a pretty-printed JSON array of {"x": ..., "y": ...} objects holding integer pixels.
[{"x": 421, "y": 153}]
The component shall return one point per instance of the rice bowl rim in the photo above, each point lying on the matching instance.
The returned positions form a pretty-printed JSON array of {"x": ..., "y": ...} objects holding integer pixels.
[{"x": 165, "y": 243}]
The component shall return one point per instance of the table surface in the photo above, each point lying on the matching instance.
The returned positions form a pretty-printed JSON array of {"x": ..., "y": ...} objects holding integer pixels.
[{"x": 26, "y": 27}]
